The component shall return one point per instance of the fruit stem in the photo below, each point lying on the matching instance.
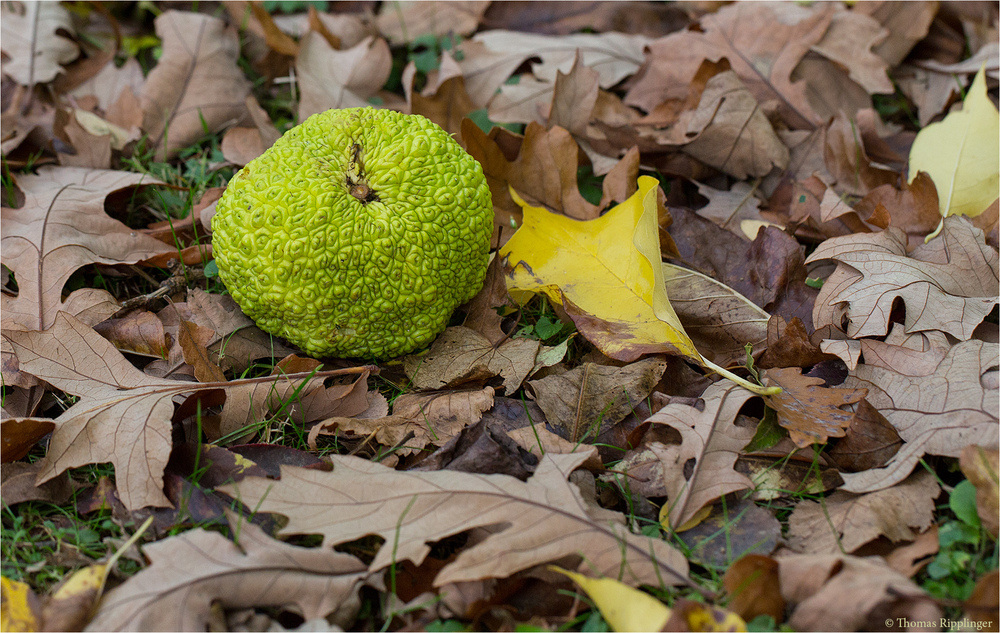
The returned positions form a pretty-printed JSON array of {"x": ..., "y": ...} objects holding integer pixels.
[{"x": 743, "y": 382}]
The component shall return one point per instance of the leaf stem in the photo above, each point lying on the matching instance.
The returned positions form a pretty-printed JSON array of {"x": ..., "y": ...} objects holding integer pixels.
[{"x": 743, "y": 382}]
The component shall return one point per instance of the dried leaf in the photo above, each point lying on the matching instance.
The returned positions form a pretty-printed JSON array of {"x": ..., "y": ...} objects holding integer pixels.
[
  {"x": 21, "y": 434},
  {"x": 194, "y": 571},
  {"x": 590, "y": 399},
  {"x": 754, "y": 588},
  {"x": 937, "y": 414},
  {"x": 122, "y": 416},
  {"x": 461, "y": 355},
  {"x": 22, "y": 610},
  {"x": 533, "y": 522},
  {"x": 718, "y": 319},
  {"x": 981, "y": 466},
  {"x": 195, "y": 85},
  {"x": 339, "y": 79},
  {"x": 34, "y": 49},
  {"x": 870, "y": 441},
  {"x": 427, "y": 418},
  {"x": 699, "y": 470},
  {"x": 948, "y": 285},
  {"x": 61, "y": 228},
  {"x": 405, "y": 21},
  {"x": 818, "y": 586},
  {"x": 19, "y": 485},
  {"x": 810, "y": 411},
  {"x": 843, "y": 522}
]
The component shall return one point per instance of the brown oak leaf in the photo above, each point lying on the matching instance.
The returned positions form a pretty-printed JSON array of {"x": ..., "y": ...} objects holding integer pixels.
[
  {"x": 532, "y": 522},
  {"x": 191, "y": 574},
  {"x": 810, "y": 411}
]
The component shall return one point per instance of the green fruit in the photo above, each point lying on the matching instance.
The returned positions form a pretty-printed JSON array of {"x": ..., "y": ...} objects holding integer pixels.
[{"x": 356, "y": 234}]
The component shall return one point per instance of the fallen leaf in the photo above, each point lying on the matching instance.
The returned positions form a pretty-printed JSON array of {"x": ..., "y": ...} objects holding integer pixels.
[
  {"x": 982, "y": 607},
  {"x": 870, "y": 441},
  {"x": 962, "y": 154},
  {"x": 623, "y": 608},
  {"x": 754, "y": 588},
  {"x": 61, "y": 228},
  {"x": 592, "y": 398},
  {"x": 730, "y": 531},
  {"x": 817, "y": 588},
  {"x": 537, "y": 521},
  {"x": 981, "y": 466},
  {"x": 19, "y": 485},
  {"x": 195, "y": 85},
  {"x": 905, "y": 24},
  {"x": 339, "y": 79},
  {"x": 848, "y": 159},
  {"x": 810, "y": 410},
  {"x": 718, "y": 319},
  {"x": 406, "y": 21},
  {"x": 936, "y": 414},
  {"x": 21, "y": 434},
  {"x": 949, "y": 285},
  {"x": 419, "y": 419},
  {"x": 190, "y": 573},
  {"x": 844, "y": 521},
  {"x": 911, "y": 558},
  {"x": 490, "y": 57},
  {"x": 565, "y": 18},
  {"x": 735, "y": 136},
  {"x": 72, "y": 357},
  {"x": 34, "y": 49},
  {"x": 138, "y": 332},
  {"x": 914, "y": 208},
  {"x": 699, "y": 470},
  {"x": 22, "y": 610},
  {"x": 584, "y": 262},
  {"x": 461, "y": 355},
  {"x": 764, "y": 63}
]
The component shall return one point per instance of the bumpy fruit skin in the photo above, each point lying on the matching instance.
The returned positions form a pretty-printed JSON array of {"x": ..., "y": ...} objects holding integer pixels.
[{"x": 356, "y": 234}]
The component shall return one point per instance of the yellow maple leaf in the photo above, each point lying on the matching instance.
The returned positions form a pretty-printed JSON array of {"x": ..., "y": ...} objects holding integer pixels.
[
  {"x": 961, "y": 154},
  {"x": 608, "y": 268}
]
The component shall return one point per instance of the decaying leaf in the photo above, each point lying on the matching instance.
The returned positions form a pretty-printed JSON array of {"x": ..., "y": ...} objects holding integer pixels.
[
  {"x": 34, "y": 49},
  {"x": 123, "y": 416},
  {"x": 533, "y": 522},
  {"x": 424, "y": 418},
  {"x": 194, "y": 572},
  {"x": 937, "y": 414},
  {"x": 340, "y": 79},
  {"x": 592, "y": 398},
  {"x": 844, "y": 521},
  {"x": 196, "y": 84},
  {"x": 61, "y": 228},
  {"x": 699, "y": 470},
  {"x": 981, "y": 466},
  {"x": 461, "y": 355},
  {"x": 810, "y": 411},
  {"x": 949, "y": 284},
  {"x": 403, "y": 22}
]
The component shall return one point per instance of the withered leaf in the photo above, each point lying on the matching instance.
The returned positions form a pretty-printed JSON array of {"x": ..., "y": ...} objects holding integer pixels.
[
  {"x": 533, "y": 522},
  {"x": 870, "y": 441},
  {"x": 195, "y": 84},
  {"x": 340, "y": 79},
  {"x": 810, "y": 411},
  {"x": 699, "y": 470},
  {"x": 981, "y": 466},
  {"x": 122, "y": 416},
  {"x": 62, "y": 227},
  {"x": 463, "y": 355},
  {"x": 34, "y": 49},
  {"x": 937, "y": 414},
  {"x": 844, "y": 521},
  {"x": 592, "y": 398},
  {"x": 949, "y": 284},
  {"x": 193, "y": 572}
]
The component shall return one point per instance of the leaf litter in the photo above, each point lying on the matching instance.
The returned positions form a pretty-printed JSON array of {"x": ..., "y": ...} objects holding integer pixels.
[{"x": 761, "y": 149}]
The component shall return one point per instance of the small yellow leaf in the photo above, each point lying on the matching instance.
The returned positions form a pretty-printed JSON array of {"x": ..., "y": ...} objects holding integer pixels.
[
  {"x": 17, "y": 611},
  {"x": 609, "y": 271},
  {"x": 609, "y": 267},
  {"x": 623, "y": 608},
  {"x": 698, "y": 517},
  {"x": 962, "y": 154}
]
